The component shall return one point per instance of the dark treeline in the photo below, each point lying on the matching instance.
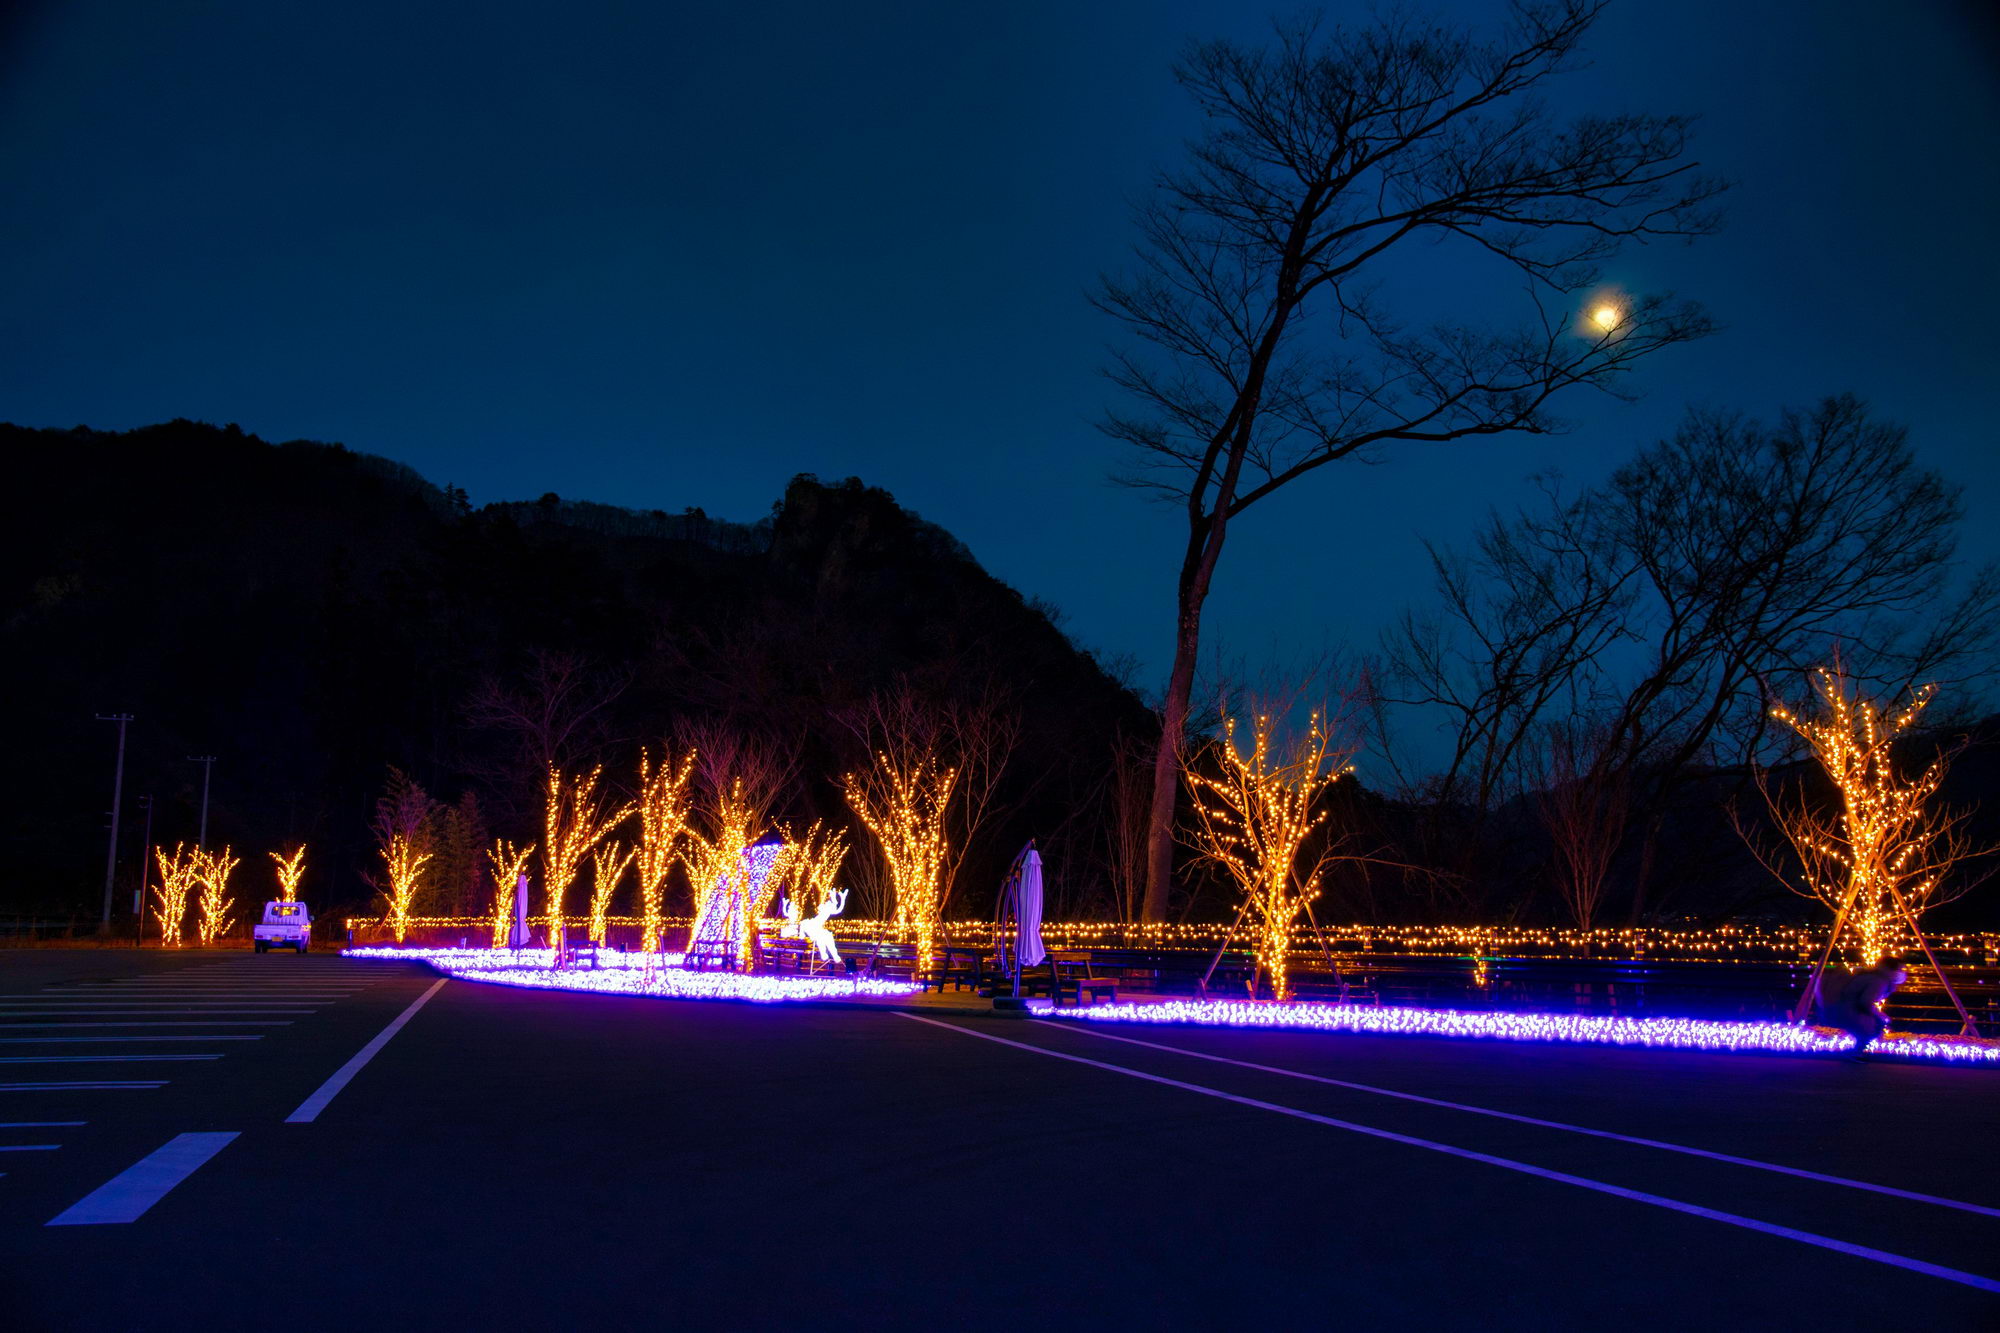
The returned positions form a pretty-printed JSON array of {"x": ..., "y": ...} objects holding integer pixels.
[
  {"x": 316, "y": 617},
  {"x": 313, "y": 616}
]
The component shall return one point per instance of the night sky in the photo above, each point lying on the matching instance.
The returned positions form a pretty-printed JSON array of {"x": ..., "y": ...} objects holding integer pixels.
[{"x": 667, "y": 255}]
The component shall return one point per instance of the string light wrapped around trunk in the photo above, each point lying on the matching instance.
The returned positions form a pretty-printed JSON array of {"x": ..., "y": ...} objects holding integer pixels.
[
  {"x": 665, "y": 804},
  {"x": 212, "y": 870},
  {"x": 291, "y": 869},
  {"x": 902, "y": 801},
  {"x": 1255, "y": 813},
  {"x": 170, "y": 895},
  {"x": 575, "y": 819}
]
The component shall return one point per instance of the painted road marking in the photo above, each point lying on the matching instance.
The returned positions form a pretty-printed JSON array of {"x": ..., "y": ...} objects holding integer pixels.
[
  {"x": 155, "y": 1037},
  {"x": 93, "y": 1059},
  {"x": 148, "y": 1023},
  {"x": 1505, "y": 1163},
  {"x": 103, "y": 1011},
  {"x": 42, "y": 1124},
  {"x": 1733, "y": 1160},
  {"x": 126, "y": 1196},
  {"x": 83, "y": 1085},
  {"x": 310, "y": 1108},
  {"x": 29, "y": 1147}
]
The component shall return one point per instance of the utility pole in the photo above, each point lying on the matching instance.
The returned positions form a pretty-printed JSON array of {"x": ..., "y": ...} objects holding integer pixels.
[
  {"x": 207, "y": 762},
  {"x": 145, "y": 863},
  {"x": 117, "y": 792}
]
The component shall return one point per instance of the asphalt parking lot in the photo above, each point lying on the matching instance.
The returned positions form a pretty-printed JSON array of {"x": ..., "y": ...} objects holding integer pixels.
[{"x": 522, "y": 1159}]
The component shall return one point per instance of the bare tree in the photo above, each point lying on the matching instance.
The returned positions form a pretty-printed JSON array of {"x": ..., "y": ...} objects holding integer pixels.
[
  {"x": 1723, "y": 560},
  {"x": 974, "y": 737},
  {"x": 1260, "y": 351},
  {"x": 556, "y": 714},
  {"x": 1584, "y": 816}
]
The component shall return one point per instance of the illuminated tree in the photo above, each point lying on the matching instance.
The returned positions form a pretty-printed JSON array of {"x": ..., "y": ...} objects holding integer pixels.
[
  {"x": 405, "y": 831},
  {"x": 665, "y": 803},
  {"x": 291, "y": 869},
  {"x": 212, "y": 870},
  {"x": 404, "y": 862},
  {"x": 972, "y": 731},
  {"x": 575, "y": 820},
  {"x": 507, "y": 863},
  {"x": 608, "y": 865},
  {"x": 1255, "y": 813},
  {"x": 170, "y": 896},
  {"x": 903, "y": 800},
  {"x": 1881, "y": 858}
]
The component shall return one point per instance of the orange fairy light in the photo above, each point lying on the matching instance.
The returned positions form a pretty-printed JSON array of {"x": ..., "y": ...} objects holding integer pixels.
[
  {"x": 291, "y": 869},
  {"x": 211, "y": 872},
  {"x": 170, "y": 895},
  {"x": 665, "y": 805},
  {"x": 576, "y": 819},
  {"x": 1255, "y": 816},
  {"x": 902, "y": 801}
]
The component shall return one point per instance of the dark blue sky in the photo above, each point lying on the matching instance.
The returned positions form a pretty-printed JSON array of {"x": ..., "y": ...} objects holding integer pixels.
[{"x": 667, "y": 255}]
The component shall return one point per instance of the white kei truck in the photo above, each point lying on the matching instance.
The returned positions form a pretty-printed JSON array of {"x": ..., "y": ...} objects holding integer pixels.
[{"x": 285, "y": 926}]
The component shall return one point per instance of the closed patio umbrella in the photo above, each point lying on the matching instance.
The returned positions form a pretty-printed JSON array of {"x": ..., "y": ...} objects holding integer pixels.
[{"x": 1028, "y": 949}]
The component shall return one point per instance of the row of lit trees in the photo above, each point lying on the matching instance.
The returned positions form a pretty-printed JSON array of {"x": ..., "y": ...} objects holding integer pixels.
[
  {"x": 193, "y": 873},
  {"x": 707, "y": 828},
  {"x": 1879, "y": 856}
]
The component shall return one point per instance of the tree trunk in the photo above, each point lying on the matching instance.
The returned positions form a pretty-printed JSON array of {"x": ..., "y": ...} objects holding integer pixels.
[{"x": 1204, "y": 547}]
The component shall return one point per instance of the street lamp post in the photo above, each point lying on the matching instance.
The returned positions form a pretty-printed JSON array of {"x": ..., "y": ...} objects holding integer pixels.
[{"x": 117, "y": 792}]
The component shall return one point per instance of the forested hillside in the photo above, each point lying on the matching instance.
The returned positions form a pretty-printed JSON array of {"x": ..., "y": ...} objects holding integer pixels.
[{"x": 311, "y": 616}]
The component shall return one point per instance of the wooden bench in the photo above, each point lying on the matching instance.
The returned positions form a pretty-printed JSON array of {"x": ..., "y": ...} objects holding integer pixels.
[{"x": 1075, "y": 975}]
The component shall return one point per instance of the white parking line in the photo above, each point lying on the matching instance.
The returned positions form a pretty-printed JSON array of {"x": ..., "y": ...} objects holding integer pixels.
[
  {"x": 161, "y": 1036},
  {"x": 29, "y": 1147},
  {"x": 160, "y": 1023},
  {"x": 105, "y": 1013},
  {"x": 42, "y": 1124},
  {"x": 127, "y": 1195},
  {"x": 1732, "y": 1160},
  {"x": 1508, "y": 1164},
  {"x": 83, "y": 1085},
  {"x": 310, "y": 1108},
  {"x": 94, "y": 1059}
]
